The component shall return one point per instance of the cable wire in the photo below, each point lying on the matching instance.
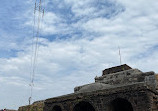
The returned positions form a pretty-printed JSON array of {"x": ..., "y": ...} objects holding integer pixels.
[{"x": 35, "y": 44}]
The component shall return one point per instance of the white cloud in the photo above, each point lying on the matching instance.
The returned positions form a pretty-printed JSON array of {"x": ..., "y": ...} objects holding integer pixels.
[
  {"x": 74, "y": 61},
  {"x": 71, "y": 63}
]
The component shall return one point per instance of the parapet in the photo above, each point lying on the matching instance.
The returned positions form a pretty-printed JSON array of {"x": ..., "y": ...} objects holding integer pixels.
[
  {"x": 116, "y": 69},
  {"x": 120, "y": 76}
]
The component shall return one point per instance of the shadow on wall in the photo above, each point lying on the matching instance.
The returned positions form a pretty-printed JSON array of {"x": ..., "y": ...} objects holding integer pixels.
[
  {"x": 57, "y": 108},
  {"x": 120, "y": 104},
  {"x": 83, "y": 106}
]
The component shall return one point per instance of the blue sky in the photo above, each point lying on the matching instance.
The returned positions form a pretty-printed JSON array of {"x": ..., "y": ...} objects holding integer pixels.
[{"x": 78, "y": 39}]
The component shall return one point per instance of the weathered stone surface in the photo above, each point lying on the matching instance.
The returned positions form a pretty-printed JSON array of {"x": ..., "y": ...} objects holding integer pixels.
[
  {"x": 92, "y": 87},
  {"x": 116, "y": 69},
  {"x": 122, "y": 89},
  {"x": 128, "y": 89},
  {"x": 136, "y": 94},
  {"x": 36, "y": 106}
]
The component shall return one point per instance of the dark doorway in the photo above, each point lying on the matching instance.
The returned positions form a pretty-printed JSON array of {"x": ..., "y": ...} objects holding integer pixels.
[
  {"x": 83, "y": 106},
  {"x": 56, "y": 108},
  {"x": 120, "y": 105}
]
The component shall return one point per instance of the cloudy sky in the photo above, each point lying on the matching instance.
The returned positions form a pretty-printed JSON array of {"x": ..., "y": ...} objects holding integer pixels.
[{"x": 78, "y": 39}]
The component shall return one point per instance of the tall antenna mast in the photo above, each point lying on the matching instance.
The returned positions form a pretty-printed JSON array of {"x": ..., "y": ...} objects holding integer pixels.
[
  {"x": 120, "y": 55},
  {"x": 36, "y": 33}
]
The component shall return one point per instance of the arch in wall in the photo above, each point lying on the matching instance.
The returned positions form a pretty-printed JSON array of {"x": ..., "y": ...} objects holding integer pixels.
[
  {"x": 83, "y": 106},
  {"x": 120, "y": 104},
  {"x": 56, "y": 108}
]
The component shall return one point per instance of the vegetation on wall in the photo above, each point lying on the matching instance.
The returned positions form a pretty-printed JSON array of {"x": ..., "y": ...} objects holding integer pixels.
[{"x": 34, "y": 107}]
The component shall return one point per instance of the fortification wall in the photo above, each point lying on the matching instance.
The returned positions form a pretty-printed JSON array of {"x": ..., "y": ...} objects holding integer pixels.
[
  {"x": 37, "y": 106},
  {"x": 137, "y": 95}
]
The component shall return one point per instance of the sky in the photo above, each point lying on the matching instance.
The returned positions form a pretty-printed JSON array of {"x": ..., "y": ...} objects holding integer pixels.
[{"x": 78, "y": 39}]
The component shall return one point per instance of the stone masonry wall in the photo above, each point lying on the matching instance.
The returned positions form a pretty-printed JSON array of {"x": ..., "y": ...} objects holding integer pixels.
[
  {"x": 34, "y": 107},
  {"x": 140, "y": 99},
  {"x": 153, "y": 101},
  {"x": 127, "y": 77}
]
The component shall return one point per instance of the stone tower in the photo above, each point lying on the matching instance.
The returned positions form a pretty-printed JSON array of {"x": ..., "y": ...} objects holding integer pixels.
[{"x": 120, "y": 88}]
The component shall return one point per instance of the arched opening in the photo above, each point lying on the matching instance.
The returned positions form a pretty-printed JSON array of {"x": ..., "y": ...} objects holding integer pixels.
[
  {"x": 83, "y": 106},
  {"x": 56, "y": 108},
  {"x": 120, "y": 105}
]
